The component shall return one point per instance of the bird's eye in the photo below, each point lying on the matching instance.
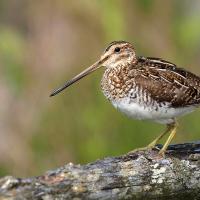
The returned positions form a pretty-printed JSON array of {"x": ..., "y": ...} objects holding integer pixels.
[{"x": 117, "y": 49}]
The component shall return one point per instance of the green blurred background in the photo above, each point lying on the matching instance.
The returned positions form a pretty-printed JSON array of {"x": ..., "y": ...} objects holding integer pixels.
[{"x": 44, "y": 43}]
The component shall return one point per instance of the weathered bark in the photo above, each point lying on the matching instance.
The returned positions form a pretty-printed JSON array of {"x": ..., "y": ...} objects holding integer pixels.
[{"x": 138, "y": 175}]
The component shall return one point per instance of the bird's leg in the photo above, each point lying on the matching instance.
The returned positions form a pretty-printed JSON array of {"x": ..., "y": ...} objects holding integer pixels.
[
  {"x": 154, "y": 142},
  {"x": 172, "y": 129}
]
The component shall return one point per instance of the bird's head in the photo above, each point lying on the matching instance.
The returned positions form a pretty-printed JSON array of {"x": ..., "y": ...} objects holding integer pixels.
[{"x": 117, "y": 53}]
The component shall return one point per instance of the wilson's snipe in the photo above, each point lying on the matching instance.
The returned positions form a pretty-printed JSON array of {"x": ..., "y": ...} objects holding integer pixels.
[{"x": 145, "y": 88}]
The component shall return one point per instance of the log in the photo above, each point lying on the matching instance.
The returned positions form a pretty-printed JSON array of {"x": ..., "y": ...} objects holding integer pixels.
[{"x": 136, "y": 175}]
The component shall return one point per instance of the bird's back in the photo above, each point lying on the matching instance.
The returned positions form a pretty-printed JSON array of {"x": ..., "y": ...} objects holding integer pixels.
[{"x": 167, "y": 83}]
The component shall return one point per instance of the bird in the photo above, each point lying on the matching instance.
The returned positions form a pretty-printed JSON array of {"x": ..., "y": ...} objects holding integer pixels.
[{"x": 145, "y": 88}]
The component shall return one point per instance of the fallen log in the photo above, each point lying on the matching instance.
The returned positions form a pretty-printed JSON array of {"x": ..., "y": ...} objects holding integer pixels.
[{"x": 137, "y": 175}]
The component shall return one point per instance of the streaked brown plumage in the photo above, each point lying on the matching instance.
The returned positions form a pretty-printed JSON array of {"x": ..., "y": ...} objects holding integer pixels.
[
  {"x": 162, "y": 80},
  {"x": 145, "y": 88}
]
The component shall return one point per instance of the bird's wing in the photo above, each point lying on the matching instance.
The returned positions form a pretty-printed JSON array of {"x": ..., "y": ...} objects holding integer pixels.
[{"x": 165, "y": 82}]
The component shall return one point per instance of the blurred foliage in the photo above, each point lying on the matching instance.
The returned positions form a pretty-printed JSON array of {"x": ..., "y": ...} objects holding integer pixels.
[
  {"x": 112, "y": 19},
  {"x": 12, "y": 48},
  {"x": 42, "y": 44}
]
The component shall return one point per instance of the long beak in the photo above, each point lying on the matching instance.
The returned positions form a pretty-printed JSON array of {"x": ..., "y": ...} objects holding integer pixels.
[{"x": 84, "y": 73}]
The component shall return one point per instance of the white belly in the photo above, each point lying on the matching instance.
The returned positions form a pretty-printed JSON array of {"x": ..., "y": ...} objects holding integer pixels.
[{"x": 161, "y": 114}]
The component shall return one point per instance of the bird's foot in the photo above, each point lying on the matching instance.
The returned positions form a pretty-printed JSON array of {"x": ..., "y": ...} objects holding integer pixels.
[
  {"x": 141, "y": 149},
  {"x": 147, "y": 151},
  {"x": 149, "y": 147}
]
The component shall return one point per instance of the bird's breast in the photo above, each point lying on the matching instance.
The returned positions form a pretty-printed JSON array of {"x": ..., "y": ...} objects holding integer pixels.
[{"x": 115, "y": 83}]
